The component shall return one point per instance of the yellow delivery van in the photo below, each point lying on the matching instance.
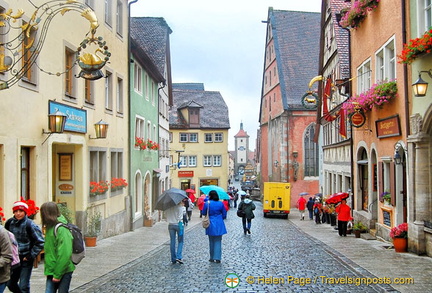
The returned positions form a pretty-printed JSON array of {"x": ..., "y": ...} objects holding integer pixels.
[{"x": 276, "y": 199}]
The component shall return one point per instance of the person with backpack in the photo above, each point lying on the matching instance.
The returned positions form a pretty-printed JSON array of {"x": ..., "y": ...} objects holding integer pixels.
[
  {"x": 58, "y": 249},
  {"x": 30, "y": 243},
  {"x": 5, "y": 258},
  {"x": 247, "y": 206}
]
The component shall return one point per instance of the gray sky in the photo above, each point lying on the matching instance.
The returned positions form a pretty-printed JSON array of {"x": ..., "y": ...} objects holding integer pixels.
[{"x": 221, "y": 44}]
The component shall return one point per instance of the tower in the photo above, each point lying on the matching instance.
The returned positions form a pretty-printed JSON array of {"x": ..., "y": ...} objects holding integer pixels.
[{"x": 241, "y": 151}]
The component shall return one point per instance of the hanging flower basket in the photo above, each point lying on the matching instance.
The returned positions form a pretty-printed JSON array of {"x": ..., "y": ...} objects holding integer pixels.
[
  {"x": 354, "y": 15},
  {"x": 97, "y": 188},
  {"x": 416, "y": 47},
  {"x": 378, "y": 95}
]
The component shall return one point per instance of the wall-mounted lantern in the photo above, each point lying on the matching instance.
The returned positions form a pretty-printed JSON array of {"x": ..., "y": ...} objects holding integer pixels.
[
  {"x": 101, "y": 129},
  {"x": 56, "y": 124}
]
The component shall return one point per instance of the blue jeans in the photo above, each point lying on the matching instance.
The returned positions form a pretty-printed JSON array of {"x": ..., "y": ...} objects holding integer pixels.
[
  {"x": 247, "y": 223},
  {"x": 22, "y": 275},
  {"x": 174, "y": 231},
  {"x": 310, "y": 214},
  {"x": 2, "y": 287},
  {"x": 215, "y": 243},
  {"x": 60, "y": 287}
]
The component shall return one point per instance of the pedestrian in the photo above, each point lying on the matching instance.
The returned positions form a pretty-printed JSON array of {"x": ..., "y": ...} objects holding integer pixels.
[
  {"x": 58, "y": 250},
  {"x": 247, "y": 206},
  {"x": 226, "y": 204},
  {"x": 5, "y": 258},
  {"x": 30, "y": 244},
  {"x": 174, "y": 217},
  {"x": 301, "y": 205},
  {"x": 235, "y": 193},
  {"x": 309, "y": 206},
  {"x": 189, "y": 209},
  {"x": 186, "y": 207},
  {"x": 200, "y": 203},
  {"x": 343, "y": 216},
  {"x": 317, "y": 210},
  {"x": 217, "y": 214}
]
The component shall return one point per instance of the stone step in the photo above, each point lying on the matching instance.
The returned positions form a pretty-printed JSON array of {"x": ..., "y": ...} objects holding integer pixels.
[
  {"x": 367, "y": 236},
  {"x": 372, "y": 232}
]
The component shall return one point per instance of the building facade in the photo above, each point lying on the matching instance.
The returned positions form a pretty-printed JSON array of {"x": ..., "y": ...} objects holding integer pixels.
[
  {"x": 49, "y": 165},
  {"x": 288, "y": 152},
  {"x": 199, "y": 138}
]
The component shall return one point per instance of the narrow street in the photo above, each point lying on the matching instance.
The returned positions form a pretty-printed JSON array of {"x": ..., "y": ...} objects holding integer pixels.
[{"x": 276, "y": 257}]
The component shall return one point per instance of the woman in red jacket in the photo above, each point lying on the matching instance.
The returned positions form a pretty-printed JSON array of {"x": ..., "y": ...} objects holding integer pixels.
[{"x": 344, "y": 215}]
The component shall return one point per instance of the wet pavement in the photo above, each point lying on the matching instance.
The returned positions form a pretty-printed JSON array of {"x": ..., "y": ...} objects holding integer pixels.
[{"x": 279, "y": 256}]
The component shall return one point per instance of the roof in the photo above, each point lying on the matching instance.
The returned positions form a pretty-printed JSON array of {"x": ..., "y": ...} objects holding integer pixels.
[
  {"x": 152, "y": 34},
  {"x": 342, "y": 38},
  {"x": 296, "y": 37},
  {"x": 189, "y": 86},
  {"x": 213, "y": 109}
]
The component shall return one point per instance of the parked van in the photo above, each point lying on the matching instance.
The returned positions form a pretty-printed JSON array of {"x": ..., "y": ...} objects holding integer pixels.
[{"x": 276, "y": 199}]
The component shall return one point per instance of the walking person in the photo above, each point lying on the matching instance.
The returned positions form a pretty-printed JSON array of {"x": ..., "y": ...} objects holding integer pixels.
[
  {"x": 5, "y": 258},
  {"x": 58, "y": 250},
  {"x": 30, "y": 242},
  {"x": 247, "y": 206},
  {"x": 343, "y": 216},
  {"x": 301, "y": 205},
  {"x": 309, "y": 206},
  {"x": 174, "y": 217},
  {"x": 217, "y": 214},
  {"x": 317, "y": 210}
]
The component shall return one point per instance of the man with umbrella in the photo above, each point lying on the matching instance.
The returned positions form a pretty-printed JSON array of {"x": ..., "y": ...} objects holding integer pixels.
[
  {"x": 344, "y": 215},
  {"x": 171, "y": 201}
]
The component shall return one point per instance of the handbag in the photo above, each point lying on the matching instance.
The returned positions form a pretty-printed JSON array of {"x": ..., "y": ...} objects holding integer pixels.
[{"x": 206, "y": 221}]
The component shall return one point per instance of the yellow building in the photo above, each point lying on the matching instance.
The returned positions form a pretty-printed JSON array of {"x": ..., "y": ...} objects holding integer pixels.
[
  {"x": 46, "y": 164},
  {"x": 199, "y": 125}
]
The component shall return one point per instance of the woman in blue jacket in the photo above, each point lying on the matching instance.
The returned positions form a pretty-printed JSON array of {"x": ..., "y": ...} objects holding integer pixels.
[{"x": 217, "y": 214}]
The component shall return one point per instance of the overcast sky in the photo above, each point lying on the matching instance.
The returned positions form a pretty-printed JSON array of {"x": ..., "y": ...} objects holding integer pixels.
[{"x": 221, "y": 44}]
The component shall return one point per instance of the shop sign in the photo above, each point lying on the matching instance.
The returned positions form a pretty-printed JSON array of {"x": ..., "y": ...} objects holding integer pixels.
[
  {"x": 76, "y": 118},
  {"x": 357, "y": 119},
  {"x": 185, "y": 173},
  {"x": 388, "y": 127}
]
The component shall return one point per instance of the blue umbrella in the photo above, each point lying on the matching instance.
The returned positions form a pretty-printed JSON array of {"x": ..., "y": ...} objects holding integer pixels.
[{"x": 220, "y": 191}]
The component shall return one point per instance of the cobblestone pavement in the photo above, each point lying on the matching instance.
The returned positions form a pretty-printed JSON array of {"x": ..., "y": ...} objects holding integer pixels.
[{"x": 264, "y": 261}]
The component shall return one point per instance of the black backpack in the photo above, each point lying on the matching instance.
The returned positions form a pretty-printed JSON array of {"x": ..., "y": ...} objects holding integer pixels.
[{"x": 78, "y": 247}]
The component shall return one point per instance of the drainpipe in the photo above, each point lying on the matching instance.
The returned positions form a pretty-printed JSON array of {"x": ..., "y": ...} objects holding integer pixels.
[
  {"x": 129, "y": 116},
  {"x": 405, "y": 69}
]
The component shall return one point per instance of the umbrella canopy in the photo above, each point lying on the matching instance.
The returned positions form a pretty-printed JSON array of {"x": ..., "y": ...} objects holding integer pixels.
[
  {"x": 241, "y": 192},
  {"x": 190, "y": 190},
  {"x": 304, "y": 193},
  {"x": 337, "y": 197},
  {"x": 220, "y": 191},
  {"x": 170, "y": 198}
]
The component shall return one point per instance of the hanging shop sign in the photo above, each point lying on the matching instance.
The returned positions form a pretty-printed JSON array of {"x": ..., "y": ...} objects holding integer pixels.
[
  {"x": 357, "y": 119},
  {"x": 388, "y": 127}
]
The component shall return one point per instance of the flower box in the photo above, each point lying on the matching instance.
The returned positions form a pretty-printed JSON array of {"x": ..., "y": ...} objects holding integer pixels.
[
  {"x": 352, "y": 16},
  {"x": 143, "y": 144},
  {"x": 416, "y": 48},
  {"x": 100, "y": 187},
  {"x": 118, "y": 183}
]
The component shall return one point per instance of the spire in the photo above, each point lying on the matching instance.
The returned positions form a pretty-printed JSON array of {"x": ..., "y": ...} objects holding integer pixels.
[{"x": 241, "y": 125}]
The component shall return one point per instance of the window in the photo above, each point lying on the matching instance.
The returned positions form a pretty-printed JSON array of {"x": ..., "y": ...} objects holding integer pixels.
[
  {"x": 149, "y": 130},
  {"x": 28, "y": 49},
  {"x": 194, "y": 118},
  {"x": 192, "y": 161},
  {"x": 310, "y": 152},
  {"x": 385, "y": 62},
  {"x": 183, "y": 137},
  {"x": 218, "y": 137},
  {"x": 116, "y": 164},
  {"x": 108, "y": 12},
  {"x": 98, "y": 165},
  {"x": 69, "y": 75},
  {"x": 90, "y": 3},
  {"x": 188, "y": 137},
  {"x": 108, "y": 91},
  {"x": 139, "y": 127},
  {"x": 119, "y": 96},
  {"x": 88, "y": 91},
  {"x": 208, "y": 137},
  {"x": 364, "y": 77},
  {"x": 119, "y": 18},
  {"x": 25, "y": 172},
  {"x": 424, "y": 13},
  {"x": 137, "y": 78},
  {"x": 193, "y": 137},
  {"x": 207, "y": 161},
  {"x": 183, "y": 161},
  {"x": 217, "y": 160}
]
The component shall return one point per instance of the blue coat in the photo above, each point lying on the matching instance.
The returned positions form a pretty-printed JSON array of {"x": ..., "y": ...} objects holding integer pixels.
[{"x": 217, "y": 215}]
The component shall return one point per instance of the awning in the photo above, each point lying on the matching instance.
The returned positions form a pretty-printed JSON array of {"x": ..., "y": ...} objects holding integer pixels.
[{"x": 157, "y": 170}]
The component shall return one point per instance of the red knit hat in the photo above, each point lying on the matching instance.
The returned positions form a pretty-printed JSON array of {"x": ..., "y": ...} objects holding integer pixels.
[{"x": 19, "y": 205}]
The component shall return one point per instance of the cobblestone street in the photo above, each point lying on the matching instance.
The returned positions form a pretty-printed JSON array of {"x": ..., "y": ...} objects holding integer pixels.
[{"x": 263, "y": 261}]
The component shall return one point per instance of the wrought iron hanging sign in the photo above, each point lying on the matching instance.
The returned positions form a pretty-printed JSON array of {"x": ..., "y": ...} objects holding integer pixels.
[{"x": 20, "y": 52}]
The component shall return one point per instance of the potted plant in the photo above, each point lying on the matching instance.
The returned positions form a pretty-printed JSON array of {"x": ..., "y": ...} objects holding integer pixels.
[
  {"x": 359, "y": 228},
  {"x": 385, "y": 197},
  {"x": 94, "y": 221},
  {"x": 66, "y": 212},
  {"x": 399, "y": 234}
]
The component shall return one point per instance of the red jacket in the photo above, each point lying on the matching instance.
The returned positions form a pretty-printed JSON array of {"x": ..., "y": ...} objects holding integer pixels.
[
  {"x": 344, "y": 212},
  {"x": 301, "y": 204}
]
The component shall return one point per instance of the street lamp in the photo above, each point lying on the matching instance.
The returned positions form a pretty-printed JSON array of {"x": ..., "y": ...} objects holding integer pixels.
[
  {"x": 420, "y": 86},
  {"x": 101, "y": 129}
]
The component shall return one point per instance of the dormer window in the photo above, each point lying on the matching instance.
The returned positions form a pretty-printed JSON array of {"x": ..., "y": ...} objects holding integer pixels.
[{"x": 194, "y": 117}]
